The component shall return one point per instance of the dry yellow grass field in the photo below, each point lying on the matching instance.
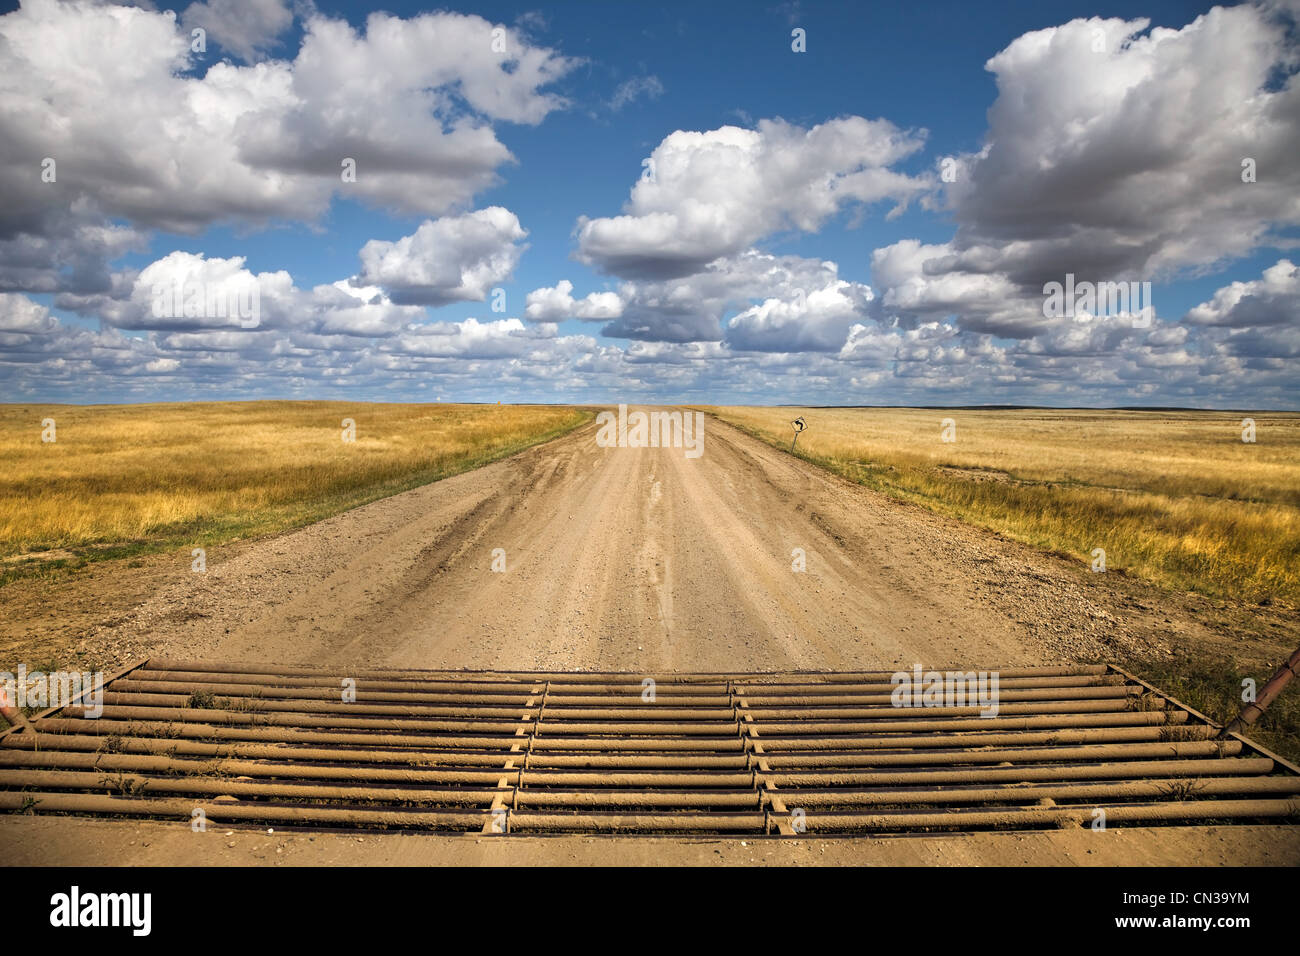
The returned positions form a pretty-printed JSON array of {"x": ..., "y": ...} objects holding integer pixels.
[
  {"x": 121, "y": 479},
  {"x": 1176, "y": 497}
]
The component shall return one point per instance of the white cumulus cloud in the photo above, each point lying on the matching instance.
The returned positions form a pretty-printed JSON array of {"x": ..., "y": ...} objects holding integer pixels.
[
  {"x": 713, "y": 194},
  {"x": 453, "y": 259},
  {"x": 556, "y": 303}
]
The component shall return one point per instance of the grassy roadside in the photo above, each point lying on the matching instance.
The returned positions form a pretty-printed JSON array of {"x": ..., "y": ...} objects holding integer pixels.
[
  {"x": 125, "y": 481},
  {"x": 1175, "y": 498},
  {"x": 1214, "y": 687}
]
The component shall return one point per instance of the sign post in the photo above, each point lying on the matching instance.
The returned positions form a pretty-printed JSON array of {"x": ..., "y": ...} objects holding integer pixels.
[{"x": 798, "y": 425}]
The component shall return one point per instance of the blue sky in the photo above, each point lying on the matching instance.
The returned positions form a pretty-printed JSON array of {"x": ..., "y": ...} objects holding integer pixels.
[
  {"x": 717, "y": 64},
  {"x": 958, "y": 319}
]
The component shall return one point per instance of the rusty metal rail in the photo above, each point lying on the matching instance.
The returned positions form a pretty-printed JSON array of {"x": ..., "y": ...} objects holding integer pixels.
[{"x": 579, "y": 752}]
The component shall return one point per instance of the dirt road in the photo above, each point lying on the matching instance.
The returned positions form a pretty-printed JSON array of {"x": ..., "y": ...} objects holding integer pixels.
[
  {"x": 36, "y": 841},
  {"x": 642, "y": 559}
]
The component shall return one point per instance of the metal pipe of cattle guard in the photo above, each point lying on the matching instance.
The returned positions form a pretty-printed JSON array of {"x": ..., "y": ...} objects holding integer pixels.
[
  {"x": 587, "y": 753},
  {"x": 1255, "y": 709},
  {"x": 12, "y": 713}
]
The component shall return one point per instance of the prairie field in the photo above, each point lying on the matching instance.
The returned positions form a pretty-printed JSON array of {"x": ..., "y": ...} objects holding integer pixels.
[
  {"x": 119, "y": 480},
  {"x": 1175, "y": 497}
]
